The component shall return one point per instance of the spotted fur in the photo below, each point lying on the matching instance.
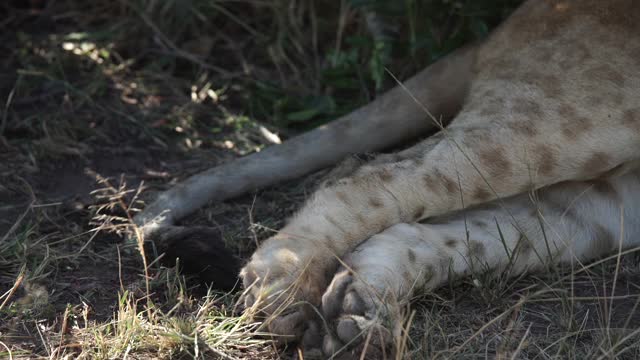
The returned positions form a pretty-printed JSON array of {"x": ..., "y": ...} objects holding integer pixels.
[{"x": 547, "y": 139}]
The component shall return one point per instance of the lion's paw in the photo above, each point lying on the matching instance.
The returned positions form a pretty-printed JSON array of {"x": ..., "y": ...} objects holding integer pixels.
[
  {"x": 283, "y": 292},
  {"x": 358, "y": 318}
]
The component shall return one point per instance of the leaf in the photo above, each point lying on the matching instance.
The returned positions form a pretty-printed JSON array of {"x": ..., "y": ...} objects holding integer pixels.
[
  {"x": 319, "y": 105},
  {"x": 479, "y": 28},
  {"x": 300, "y": 116}
]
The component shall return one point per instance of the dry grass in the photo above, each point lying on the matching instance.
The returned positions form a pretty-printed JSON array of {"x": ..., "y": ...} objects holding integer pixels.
[{"x": 158, "y": 90}]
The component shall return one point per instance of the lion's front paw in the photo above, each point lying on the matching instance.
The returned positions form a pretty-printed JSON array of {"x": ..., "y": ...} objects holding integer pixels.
[{"x": 282, "y": 288}]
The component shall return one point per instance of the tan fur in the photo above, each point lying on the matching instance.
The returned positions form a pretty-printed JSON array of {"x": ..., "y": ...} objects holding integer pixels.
[{"x": 552, "y": 100}]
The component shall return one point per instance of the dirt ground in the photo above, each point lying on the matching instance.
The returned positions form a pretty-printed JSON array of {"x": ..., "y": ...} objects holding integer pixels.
[
  {"x": 50, "y": 205},
  {"x": 78, "y": 107},
  {"x": 68, "y": 120}
]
